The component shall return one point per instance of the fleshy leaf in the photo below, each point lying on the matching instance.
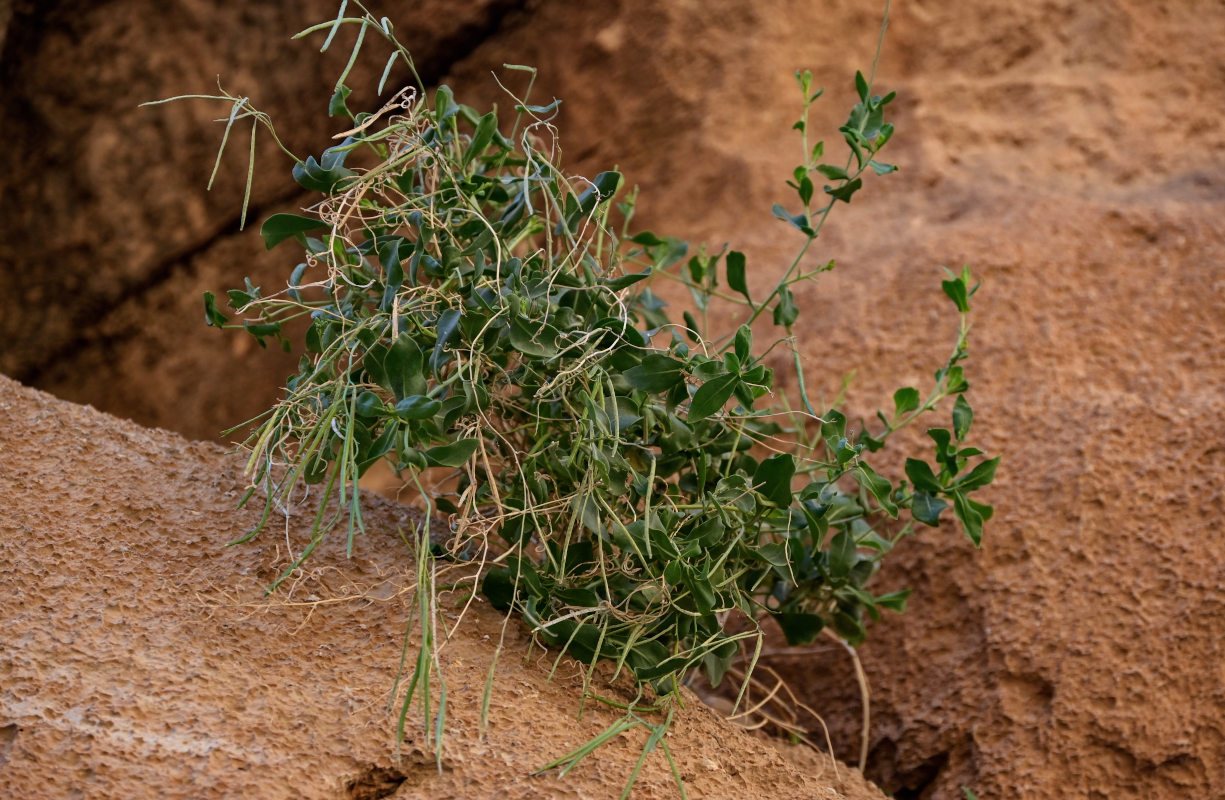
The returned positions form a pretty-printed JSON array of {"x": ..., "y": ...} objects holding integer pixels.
[
  {"x": 736, "y": 274},
  {"x": 280, "y": 227},
  {"x": 773, "y": 478},
  {"x": 711, "y": 396},
  {"x": 800, "y": 628},
  {"x": 455, "y": 454}
]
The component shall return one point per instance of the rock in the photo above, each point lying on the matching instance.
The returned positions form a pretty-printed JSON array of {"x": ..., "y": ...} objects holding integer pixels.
[
  {"x": 104, "y": 207},
  {"x": 1075, "y": 655},
  {"x": 141, "y": 658}
]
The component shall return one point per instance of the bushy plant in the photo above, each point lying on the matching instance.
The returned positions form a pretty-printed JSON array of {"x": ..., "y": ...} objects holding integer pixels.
[{"x": 628, "y": 482}]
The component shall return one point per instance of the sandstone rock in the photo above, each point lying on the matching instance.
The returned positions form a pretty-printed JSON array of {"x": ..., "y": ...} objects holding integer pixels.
[
  {"x": 103, "y": 202},
  {"x": 141, "y": 659},
  {"x": 1076, "y": 655}
]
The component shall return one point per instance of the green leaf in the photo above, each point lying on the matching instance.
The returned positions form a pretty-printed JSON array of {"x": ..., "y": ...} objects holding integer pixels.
[
  {"x": 853, "y": 138},
  {"x": 417, "y": 407},
  {"x": 785, "y": 310},
  {"x": 711, "y": 396},
  {"x": 744, "y": 343},
  {"x": 985, "y": 511},
  {"x": 773, "y": 554},
  {"x": 718, "y": 661},
  {"x": 212, "y": 317},
  {"x": 943, "y": 439},
  {"x": 979, "y": 477},
  {"x": 800, "y": 629},
  {"x": 295, "y": 282},
  {"x": 734, "y": 491},
  {"x": 336, "y": 105},
  {"x": 625, "y": 281},
  {"x": 963, "y": 416},
  {"x": 280, "y": 227},
  {"x": 368, "y": 404},
  {"x": 710, "y": 532},
  {"x": 656, "y": 374},
  {"x": 369, "y": 455},
  {"x": 971, "y": 518},
  {"x": 921, "y": 476},
  {"x": 926, "y": 508},
  {"x": 832, "y": 172},
  {"x": 905, "y": 400},
  {"x": 872, "y": 443},
  {"x": 455, "y": 454},
  {"x": 445, "y": 329},
  {"x": 833, "y": 428},
  {"x": 956, "y": 381},
  {"x": 865, "y": 598},
  {"x": 316, "y": 336},
  {"x": 602, "y": 188},
  {"x": 861, "y": 86},
  {"x": 499, "y": 587},
  {"x": 817, "y": 526},
  {"x": 670, "y": 252},
  {"x": 844, "y": 191},
  {"x": 881, "y": 168},
  {"x": 481, "y": 137},
  {"x": 315, "y": 469},
  {"x": 534, "y": 339},
  {"x": 894, "y": 601},
  {"x": 239, "y": 299},
  {"x": 760, "y": 376},
  {"x": 842, "y": 555},
  {"x": 736, "y": 274},
  {"x": 773, "y": 478},
  {"x": 260, "y": 330},
  {"x": 798, "y": 221},
  {"x": 444, "y": 104},
  {"x": 692, "y": 329},
  {"x": 956, "y": 290},
  {"x": 805, "y": 190},
  {"x": 878, "y": 487},
  {"x": 849, "y": 627},
  {"x": 844, "y": 451},
  {"x": 703, "y": 592},
  {"x": 403, "y": 368},
  {"x": 539, "y": 110},
  {"x": 805, "y": 80},
  {"x": 326, "y": 173}
]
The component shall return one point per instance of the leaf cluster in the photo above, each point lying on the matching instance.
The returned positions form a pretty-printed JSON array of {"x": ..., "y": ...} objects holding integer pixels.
[{"x": 634, "y": 484}]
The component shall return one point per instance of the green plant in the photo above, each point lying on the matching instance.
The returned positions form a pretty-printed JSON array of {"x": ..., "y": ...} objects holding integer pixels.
[{"x": 627, "y": 483}]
